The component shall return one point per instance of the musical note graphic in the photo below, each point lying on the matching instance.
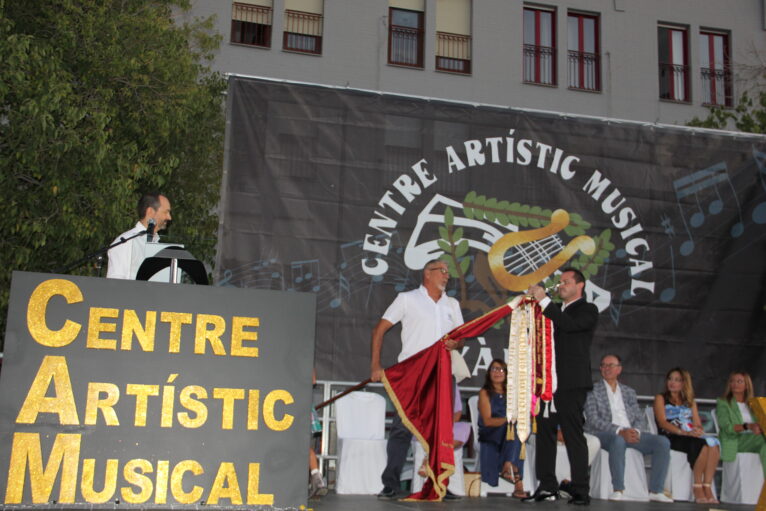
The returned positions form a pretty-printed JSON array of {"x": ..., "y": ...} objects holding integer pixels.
[
  {"x": 667, "y": 226},
  {"x": 669, "y": 293},
  {"x": 401, "y": 283},
  {"x": 615, "y": 309},
  {"x": 695, "y": 183},
  {"x": 344, "y": 288},
  {"x": 305, "y": 271}
]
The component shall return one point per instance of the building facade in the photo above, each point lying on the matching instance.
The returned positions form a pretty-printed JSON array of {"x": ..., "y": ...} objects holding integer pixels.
[{"x": 654, "y": 61}]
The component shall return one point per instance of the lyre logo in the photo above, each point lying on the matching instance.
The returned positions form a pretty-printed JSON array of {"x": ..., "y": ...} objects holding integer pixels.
[{"x": 506, "y": 256}]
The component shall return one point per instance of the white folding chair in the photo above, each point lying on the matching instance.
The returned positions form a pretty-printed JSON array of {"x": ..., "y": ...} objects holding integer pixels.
[
  {"x": 741, "y": 479},
  {"x": 680, "y": 477},
  {"x": 361, "y": 419},
  {"x": 563, "y": 470}
]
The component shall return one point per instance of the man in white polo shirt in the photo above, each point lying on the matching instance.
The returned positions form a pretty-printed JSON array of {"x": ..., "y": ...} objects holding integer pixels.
[
  {"x": 613, "y": 415},
  {"x": 426, "y": 313}
]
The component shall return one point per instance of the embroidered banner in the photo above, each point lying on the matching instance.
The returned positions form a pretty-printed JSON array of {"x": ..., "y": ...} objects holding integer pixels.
[{"x": 346, "y": 194}]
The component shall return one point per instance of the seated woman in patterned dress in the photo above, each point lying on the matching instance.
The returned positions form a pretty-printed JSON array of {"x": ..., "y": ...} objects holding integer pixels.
[{"x": 677, "y": 418}]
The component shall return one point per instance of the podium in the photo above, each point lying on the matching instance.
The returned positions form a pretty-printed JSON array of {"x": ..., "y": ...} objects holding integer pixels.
[{"x": 164, "y": 262}]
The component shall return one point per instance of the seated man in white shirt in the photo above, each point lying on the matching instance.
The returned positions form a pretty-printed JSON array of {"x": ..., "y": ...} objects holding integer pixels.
[
  {"x": 613, "y": 415},
  {"x": 154, "y": 215}
]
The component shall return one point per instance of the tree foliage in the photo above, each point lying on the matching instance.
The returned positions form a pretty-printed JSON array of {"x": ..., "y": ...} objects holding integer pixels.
[
  {"x": 749, "y": 115},
  {"x": 101, "y": 100}
]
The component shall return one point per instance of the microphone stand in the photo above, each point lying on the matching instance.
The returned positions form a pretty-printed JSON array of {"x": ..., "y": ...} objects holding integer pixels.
[{"x": 98, "y": 255}]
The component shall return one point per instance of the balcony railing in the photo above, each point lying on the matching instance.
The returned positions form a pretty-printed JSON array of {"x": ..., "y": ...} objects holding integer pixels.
[
  {"x": 584, "y": 71},
  {"x": 716, "y": 86},
  {"x": 453, "y": 52},
  {"x": 251, "y": 24},
  {"x": 539, "y": 64},
  {"x": 303, "y": 32},
  {"x": 406, "y": 46},
  {"x": 674, "y": 82}
]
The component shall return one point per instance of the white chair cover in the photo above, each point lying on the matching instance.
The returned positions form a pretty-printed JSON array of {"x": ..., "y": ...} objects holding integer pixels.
[
  {"x": 530, "y": 474},
  {"x": 360, "y": 418},
  {"x": 742, "y": 479},
  {"x": 635, "y": 477},
  {"x": 563, "y": 470}
]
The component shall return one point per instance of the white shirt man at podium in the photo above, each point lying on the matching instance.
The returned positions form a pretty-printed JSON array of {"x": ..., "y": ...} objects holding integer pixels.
[{"x": 154, "y": 213}]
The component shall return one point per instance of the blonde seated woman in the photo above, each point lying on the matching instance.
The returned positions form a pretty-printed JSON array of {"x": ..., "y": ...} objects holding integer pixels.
[
  {"x": 738, "y": 430},
  {"x": 677, "y": 418}
]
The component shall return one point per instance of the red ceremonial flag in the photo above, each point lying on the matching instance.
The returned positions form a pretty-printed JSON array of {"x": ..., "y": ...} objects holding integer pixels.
[{"x": 421, "y": 389}]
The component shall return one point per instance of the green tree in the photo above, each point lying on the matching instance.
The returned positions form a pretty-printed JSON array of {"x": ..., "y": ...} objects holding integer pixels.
[
  {"x": 749, "y": 115},
  {"x": 99, "y": 101}
]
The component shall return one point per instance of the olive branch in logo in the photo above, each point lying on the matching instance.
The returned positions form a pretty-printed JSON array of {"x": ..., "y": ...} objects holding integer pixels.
[{"x": 505, "y": 213}]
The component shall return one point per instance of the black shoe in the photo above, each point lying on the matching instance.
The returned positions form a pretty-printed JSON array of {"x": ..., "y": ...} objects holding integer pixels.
[
  {"x": 565, "y": 490},
  {"x": 579, "y": 500},
  {"x": 387, "y": 494},
  {"x": 451, "y": 496},
  {"x": 541, "y": 496}
]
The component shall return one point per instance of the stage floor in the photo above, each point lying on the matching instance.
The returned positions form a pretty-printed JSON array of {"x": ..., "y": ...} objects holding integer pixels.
[{"x": 334, "y": 502}]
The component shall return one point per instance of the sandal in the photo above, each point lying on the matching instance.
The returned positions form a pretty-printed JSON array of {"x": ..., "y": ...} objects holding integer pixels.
[
  {"x": 700, "y": 500},
  {"x": 513, "y": 476},
  {"x": 520, "y": 494},
  {"x": 711, "y": 499},
  {"x": 508, "y": 476}
]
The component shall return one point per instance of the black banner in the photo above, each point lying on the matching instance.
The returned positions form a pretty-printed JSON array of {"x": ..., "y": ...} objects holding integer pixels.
[{"x": 347, "y": 193}]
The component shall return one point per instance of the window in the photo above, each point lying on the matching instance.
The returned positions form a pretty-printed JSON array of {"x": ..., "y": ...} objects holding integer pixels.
[
  {"x": 453, "y": 52},
  {"x": 715, "y": 70},
  {"x": 251, "y": 24},
  {"x": 453, "y": 36},
  {"x": 405, "y": 37},
  {"x": 539, "y": 46},
  {"x": 584, "y": 58},
  {"x": 303, "y": 32},
  {"x": 674, "y": 63}
]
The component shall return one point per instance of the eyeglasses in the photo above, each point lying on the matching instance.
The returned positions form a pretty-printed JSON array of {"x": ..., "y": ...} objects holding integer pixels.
[
  {"x": 497, "y": 369},
  {"x": 443, "y": 271},
  {"x": 609, "y": 366}
]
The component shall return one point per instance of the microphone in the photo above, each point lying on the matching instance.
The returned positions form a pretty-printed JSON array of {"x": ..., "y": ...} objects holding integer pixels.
[{"x": 150, "y": 230}]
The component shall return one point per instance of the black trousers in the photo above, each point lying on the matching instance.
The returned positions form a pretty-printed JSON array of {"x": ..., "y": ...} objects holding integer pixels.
[
  {"x": 399, "y": 439},
  {"x": 569, "y": 416}
]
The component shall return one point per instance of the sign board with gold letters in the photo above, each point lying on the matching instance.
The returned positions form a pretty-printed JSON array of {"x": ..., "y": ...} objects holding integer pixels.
[{"x": 151, "y": 394}]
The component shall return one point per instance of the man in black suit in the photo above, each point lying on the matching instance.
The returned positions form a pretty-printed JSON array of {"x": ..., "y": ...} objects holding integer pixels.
[{"x": 574, "y": 323}]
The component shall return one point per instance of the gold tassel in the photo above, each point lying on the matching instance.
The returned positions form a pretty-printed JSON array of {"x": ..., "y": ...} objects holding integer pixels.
[
  {"x": 509, "y": 433},
  {"x": 523, "y": 455},
  {"x": 534, "y": 425}
]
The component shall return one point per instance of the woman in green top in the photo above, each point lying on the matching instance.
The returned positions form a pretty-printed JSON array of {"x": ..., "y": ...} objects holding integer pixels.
[{"x": 739, "y": 432}]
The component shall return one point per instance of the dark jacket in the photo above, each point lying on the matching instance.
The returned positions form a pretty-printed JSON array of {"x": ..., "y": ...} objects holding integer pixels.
[{"x": 573, "y": 334}]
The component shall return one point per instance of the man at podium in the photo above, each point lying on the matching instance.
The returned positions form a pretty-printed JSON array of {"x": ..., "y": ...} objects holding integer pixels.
[{"x": 154, "y": 214}]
